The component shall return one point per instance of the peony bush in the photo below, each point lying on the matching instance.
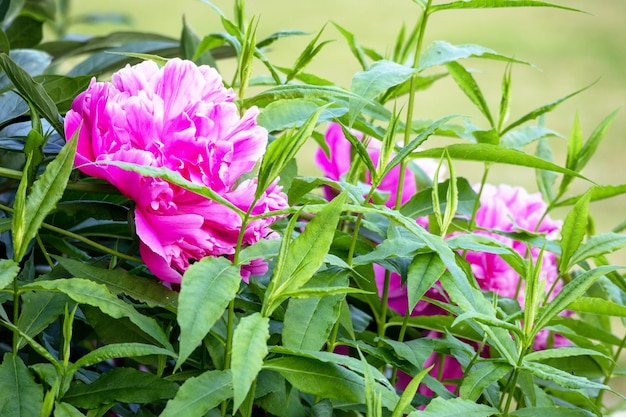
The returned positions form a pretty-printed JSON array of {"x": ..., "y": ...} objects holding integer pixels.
[{"x": 164, "y": 253}]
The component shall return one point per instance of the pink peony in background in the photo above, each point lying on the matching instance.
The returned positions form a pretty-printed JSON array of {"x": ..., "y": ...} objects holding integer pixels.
[{"x": 180, "y": 117}]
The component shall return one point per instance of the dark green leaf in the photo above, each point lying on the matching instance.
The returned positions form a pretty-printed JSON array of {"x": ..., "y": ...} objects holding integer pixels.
[
  {"x": 39, "y": 309},
  {"x": 549, "y": 411},
  {"x": 470, "y": 88},
  {"x": 24, "y": 32},
  {"x": 20, "y": 395},
  {"x": 8, "y": 271},
  {"x": 124, "y": 385},
  {"x": 480, "y": 377},
  {"x": 249, "y": 350},
  {"x": 424, "y": 270},
  {"x": 208, "y": 287}
]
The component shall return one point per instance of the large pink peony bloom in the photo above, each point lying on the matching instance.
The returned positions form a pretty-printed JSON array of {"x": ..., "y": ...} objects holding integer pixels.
[{"x": 182, "y": 118}]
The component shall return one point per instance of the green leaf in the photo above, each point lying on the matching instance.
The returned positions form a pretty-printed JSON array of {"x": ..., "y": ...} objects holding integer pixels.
[
  {"x": 562, "y": 352},
  {"x": 66, "y": 410},
  {"x": 44, "y": 194},
  {"x": 118, "y": 350},
  {"x": 88, "y": 292},
  {"x": 598, "y": 245},
  {"x": 590, "y": 146},
  {"x": 562, "y": 378},
  {"x": 285, "y": 114},
  {"x": 249, "y": 350},
  {"x": 541, "y": 110},
  {"x": 441, "y": 53},
  {"x": 480, "y": 377},
  {"x": 307, "y": 55},
  {"x": 424, "y": 270},
  {"x": 20, "y": 395},
  {"x": 470, "y": 88},
  {"x": 325, "y": 380},
  {"x": 305, "y": 254},
  {"x": 409, "y": 393},
  {"x": 119, "y": 282},
  {"x": 200, "y": 394},
  {"x": 39, "y": 309},
  {"x": 24, "y": 32},
  {"x": 308, "y": 322},
  {"x": 598, "y": 192},
  {"x": 356, "y": 49},
  {"x": 33, "y": 91},
  {"x": 492, "y": 153},
  {"x": 549, "y": 411},
  {"x": 570, "y": 293},
  {"x": 124, "y": 385},
  {"x": 596, "y": 305},
  {"x": 481, "y": 4},
  {"x": 421, "y": 204},
  {"x": 208, "y": 287},
  {"x": 455, "y": 407},
  {"x": 519, "y": 138},
  {"x": 375, "y": 80},
  {"x": 8, "y": 271},
  {"x": 573, "y": 231}
]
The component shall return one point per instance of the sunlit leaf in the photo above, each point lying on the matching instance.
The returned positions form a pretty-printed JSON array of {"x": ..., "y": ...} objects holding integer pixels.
[
  {"x": 249, "y": 350},
  {"x": 200, "y": 394}
]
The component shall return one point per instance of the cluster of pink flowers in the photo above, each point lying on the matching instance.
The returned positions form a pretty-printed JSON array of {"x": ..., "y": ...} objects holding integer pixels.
[
  {"x": 181, "y": 117},
  {"x": 503, "y": 208}
]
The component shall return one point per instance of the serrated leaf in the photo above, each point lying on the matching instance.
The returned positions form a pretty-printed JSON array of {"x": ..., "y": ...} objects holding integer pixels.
[
  {"x": 441, "y": 53},
  {"x": 8, "y": 271},
  {"x": 44, "y": 194},
  {"x": 20, "y": 395},
  {"x": 200, "y": 394},
  {"x": 455, "y": 407},
  {"x": 125, "y": 385},
  {"x": 249, "y": 350},
  {"x": 573, "y": 231},
  {"x": 207, "y": 288},
  {"x": 88, "y": 292},
  {"x": 598, "y": 192},
  {"x": 562, "y": 378},
  {"x": 562, "y": 352},
  {"x": 492, "y": 153},
  {"x": 594, "y": 305},
  {"x": 598, "y": 245}
]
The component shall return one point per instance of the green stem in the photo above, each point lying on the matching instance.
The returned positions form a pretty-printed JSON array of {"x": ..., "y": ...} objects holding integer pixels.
[{"x": 16, "y": 314}]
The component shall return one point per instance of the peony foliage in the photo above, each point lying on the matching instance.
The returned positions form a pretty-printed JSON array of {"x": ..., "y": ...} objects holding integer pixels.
[{"x": 180, "y": 241}]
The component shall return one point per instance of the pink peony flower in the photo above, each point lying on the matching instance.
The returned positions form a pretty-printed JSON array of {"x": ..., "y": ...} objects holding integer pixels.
[{"x": 180, "y": 117}]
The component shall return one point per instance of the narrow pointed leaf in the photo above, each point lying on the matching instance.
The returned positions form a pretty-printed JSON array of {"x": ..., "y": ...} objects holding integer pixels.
[
  {"x": 470, "y": 88},
  {"x": 409, "y": 392},
  {"x": 491, "y": 153},
  {"x": 550, "y": 411},
  {"x": 441, "y": 53},
  {"x": 562, "y": 378},
  {"x": 562, "y": 352},
  {"x": 200, "y": 394},
  {"x": 455, "y": 407},
  {"x": 573, "y": 231},
  {"x": 594, "y": 305},
  {"x": 481, "y": 4},
  {"x": 249, "y": 350},
  {"x": 207, "y": 288},
  {"x": 598, "y": 245},
  {"x": 8, "y": 271},
  {"x": 480, "y": 377},
  {"x": 88, "y": 292},
  {"x": 66, "y": 410},
  {"x": 590, "y": 146},
  {"x": 424, "y": 271},
  {"x": 39, "y": 309},
  {"x": 118, "y": 350},
  {"x": 44, "y": 194}
]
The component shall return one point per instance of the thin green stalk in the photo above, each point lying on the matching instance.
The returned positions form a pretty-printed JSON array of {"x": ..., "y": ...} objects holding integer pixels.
[{"x": 16, "y": 314}]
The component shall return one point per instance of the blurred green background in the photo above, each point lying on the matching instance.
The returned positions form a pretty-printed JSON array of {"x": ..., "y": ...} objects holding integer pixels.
[{"x": 570, "y": 50}]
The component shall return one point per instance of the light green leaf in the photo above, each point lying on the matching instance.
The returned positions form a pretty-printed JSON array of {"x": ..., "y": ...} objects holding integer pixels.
[
  {"x": 308, "y": 322},
  {"x": 44, "y": 195},
  {"x": 200, "y": 394},
  {"x": 570, "y": 293},
  {"x": 491, "y": 153},
  {"x": 562, "y": 378},
  {"x": 596, "y": 305},
  {"x": 455, "y": 407},
  {"x": 424, "y": 270},
  {"x": 562, "y": 352},
  {"x": 288, "y": 113},
  {"x": 88, "y": 292},
  {"x": 480, "y": 377},
  {"x": 207, "y": 288},
  {"x": 39, "y": 309},
  {"x": 8, "y": 271},
  {"x": 125, "y": 385},
  {"x": 549, "y": 411},
  {"x": 470, "y": 88},
  {"x": 305, "y": 254},
  {"x": 573, "y": 231},
  {"x": 66, "y": 410},
  {"x": 598, "y": 192},
  {"x": 481, "y": 4},
  {"x": 118, "y": 350},
  {"x": 441, "y": 53},
  {"x": 249, "y": 350},
  {"x": 377, "y": 79},
  {"x": 590, "y": 146},
  {"x": 409, "y": 393},
  {"x": 598, "y": 245},
  {"x": 20, "y": 395},
  {"x": 525, "y": 135}
]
